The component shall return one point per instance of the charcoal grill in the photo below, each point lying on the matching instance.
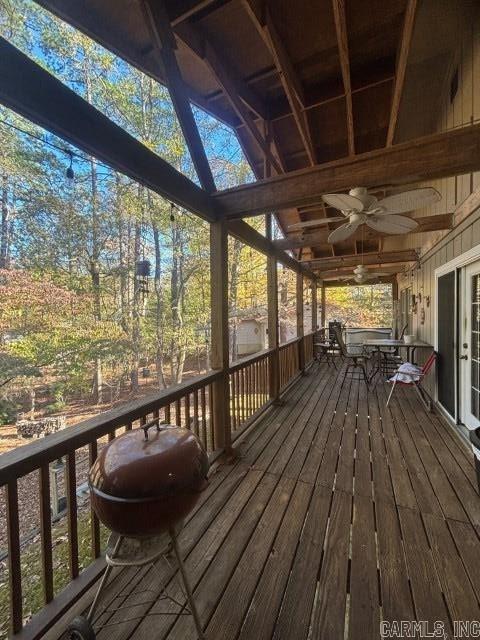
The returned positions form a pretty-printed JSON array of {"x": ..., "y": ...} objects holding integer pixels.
[{"x": 142, "y": 486}]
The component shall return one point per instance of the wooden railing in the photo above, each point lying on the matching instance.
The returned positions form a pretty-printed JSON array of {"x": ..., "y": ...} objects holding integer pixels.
[
  {"x": 308, "y": 348},
  {"x": 289, "y": 362},
  {"x": 187, "y": 404},
  {"x": 249, "y": 388}
]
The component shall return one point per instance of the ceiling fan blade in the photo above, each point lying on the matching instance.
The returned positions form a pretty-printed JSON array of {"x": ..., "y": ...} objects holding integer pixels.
[
  {"x": 314, "y": 223},
  {"x": 408, "y": 201},
  {"x": 391, "y": 224},
  {"x": 343, "y": 232},
  {"x": 343, "y": 201}
]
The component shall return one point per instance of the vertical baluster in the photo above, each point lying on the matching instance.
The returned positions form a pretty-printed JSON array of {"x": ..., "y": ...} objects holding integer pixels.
[
  {"x": 94, "y": 523},
  {"x": 187, "y": 411},
  {"x": 111, "y": 435},
  {"x": 250, "y": 390},
  {"x": 232, "y": 401},
  {"x": 71, "y": 485},
  {"x": 168, "y": 414},
  {"x": 210, "y": 410},
  {"x": 128, "y": 427},
  {"x": 178, "y": 413},
  {"x": 242, "y": 394},
  {"x": 203, "y": 404},
  {"x": 195, "y": 412},
  {"x": 14, "y": 567},
  {"x": 46, "y": 533}
]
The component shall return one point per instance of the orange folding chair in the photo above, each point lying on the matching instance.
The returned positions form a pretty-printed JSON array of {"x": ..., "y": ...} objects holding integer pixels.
[{"x": 411, "y": 375}]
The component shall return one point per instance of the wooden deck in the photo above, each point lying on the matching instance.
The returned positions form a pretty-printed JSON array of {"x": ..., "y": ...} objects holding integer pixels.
[{"x": 339, "y": 513}]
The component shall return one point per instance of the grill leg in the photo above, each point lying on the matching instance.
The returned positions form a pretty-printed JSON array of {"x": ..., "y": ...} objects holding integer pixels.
[
  {"x": 187, "y": 585},
  {"x": 103, "y": 581}
]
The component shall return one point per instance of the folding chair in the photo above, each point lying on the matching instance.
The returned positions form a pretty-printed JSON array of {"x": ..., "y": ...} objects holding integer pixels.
[{"x": 410, "y": 375}]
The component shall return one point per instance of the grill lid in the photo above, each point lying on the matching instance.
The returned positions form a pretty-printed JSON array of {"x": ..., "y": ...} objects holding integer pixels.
[{"x": 167, "y": 462}]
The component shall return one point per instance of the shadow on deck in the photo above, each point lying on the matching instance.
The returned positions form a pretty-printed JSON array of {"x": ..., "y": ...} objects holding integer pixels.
[{"x": 339, "y": 513}]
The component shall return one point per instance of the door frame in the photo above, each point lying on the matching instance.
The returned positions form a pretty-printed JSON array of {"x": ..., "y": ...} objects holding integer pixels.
[
  {"x": 464, "y": 335},
  {"x": 457, "y": 264}
]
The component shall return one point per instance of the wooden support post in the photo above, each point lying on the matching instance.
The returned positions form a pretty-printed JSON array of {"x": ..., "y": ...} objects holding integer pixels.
[
  {"x": 300, "y": 330},
  {"x": 394, "y": 306},
  {"x": 322, "y": 308},
  {"x": 219, "y": 337},
  {"x": 272, "y": 296},
  {"x": 314, "y": 306}
]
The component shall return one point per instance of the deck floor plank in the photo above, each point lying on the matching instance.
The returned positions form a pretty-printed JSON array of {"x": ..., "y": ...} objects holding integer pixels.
[{"x": 338, "y": 512}]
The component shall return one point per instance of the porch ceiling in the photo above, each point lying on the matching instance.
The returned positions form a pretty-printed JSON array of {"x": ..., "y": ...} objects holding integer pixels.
[{"x": 302, "y": 83}]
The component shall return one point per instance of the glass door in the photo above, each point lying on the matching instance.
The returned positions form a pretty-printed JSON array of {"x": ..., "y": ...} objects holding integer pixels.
[{"x": 470, "y": 347}]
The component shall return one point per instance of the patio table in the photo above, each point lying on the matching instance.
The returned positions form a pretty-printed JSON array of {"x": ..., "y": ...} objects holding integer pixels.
[{"x": 410, "y": 347}]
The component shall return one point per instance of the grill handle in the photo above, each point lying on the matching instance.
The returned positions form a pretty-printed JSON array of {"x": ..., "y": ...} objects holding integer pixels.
[{"x": 153, "y": 423}]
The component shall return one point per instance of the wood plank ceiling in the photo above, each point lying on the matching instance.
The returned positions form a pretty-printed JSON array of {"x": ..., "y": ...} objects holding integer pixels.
[{"x": 301, "y": 83}]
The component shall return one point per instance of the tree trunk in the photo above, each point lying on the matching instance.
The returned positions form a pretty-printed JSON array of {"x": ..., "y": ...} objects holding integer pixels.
[
  {"x": 137, "y": 295},
  {"x": 233, "y": 300},
  {"x": 5, "y": 226},
  {"x": 159, "y": 357},
  {"x": 95, "y": 251}
]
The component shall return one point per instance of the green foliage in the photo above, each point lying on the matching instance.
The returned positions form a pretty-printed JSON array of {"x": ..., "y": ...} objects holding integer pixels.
[
  {"x": 360, "y": 306},
  {"x": 73, "y": 313}
]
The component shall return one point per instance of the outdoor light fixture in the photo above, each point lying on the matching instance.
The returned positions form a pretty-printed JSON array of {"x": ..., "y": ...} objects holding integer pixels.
[{"x": 70, "y": 173}]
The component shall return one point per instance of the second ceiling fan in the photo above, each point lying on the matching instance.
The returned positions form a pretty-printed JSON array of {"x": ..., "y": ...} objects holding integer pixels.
[{"x": 359, "y": 207}]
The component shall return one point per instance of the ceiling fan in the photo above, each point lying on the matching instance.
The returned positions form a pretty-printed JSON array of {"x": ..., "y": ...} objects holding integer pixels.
[
  {"x": 359, "y": 207},
  {"x": 361, "y": 274}
]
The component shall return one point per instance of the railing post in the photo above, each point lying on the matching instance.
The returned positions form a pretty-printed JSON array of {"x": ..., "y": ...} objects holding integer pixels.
[
  {"x": 300, "y": 329},
  {"x": 219, "y": 336},
  {"x": 272, "y": 297}
]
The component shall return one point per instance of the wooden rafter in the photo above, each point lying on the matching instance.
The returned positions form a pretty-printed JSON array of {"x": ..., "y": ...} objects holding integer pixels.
[
  {"x": 427, "y": 223},
  {"x": 290, "y": 82},
  {"x": 401, "y": 69},
  {"x": 342, "y": 39},
  {"x": 387, "y": 257},
  {"x": 185, "y": 10},
  {"x": 164, "y": 39},
  {"x": 440, "y": 155},
  {"x": 30, "y": 90},
  {"x": 195, "y": 39},
  {"x": 241, "y": 97}
]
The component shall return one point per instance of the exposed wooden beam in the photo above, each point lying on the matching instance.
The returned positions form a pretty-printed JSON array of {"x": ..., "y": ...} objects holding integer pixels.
[
  {"x": 215, "y": 63},
  {"x": 162, "y": 34},
  {"x": 342, "y": 39},
  {"x": 185, "y": 9},
  {"x": 31, "y": 91},
  {"x": 247, "y": 234},
  {"x": 427, "y": 223},
  {"x": 195, "y": 39},
  {"x": 290, "y": 82},
  {"x": 402, "y": 60},
  {"x": 450, "y": 153},
  {"x": 388, "y": 257}
]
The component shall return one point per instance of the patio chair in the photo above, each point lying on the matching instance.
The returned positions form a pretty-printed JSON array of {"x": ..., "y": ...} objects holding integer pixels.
[
  {"x": 411, "y": 375},
  {"x": 391, "y": 358},
  {"x": 325, "y": 348},
  {"x": 352, "y": 360}
]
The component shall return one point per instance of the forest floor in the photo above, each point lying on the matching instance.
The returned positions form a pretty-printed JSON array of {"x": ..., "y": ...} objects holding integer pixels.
[{"x": 28, "y": 488}]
